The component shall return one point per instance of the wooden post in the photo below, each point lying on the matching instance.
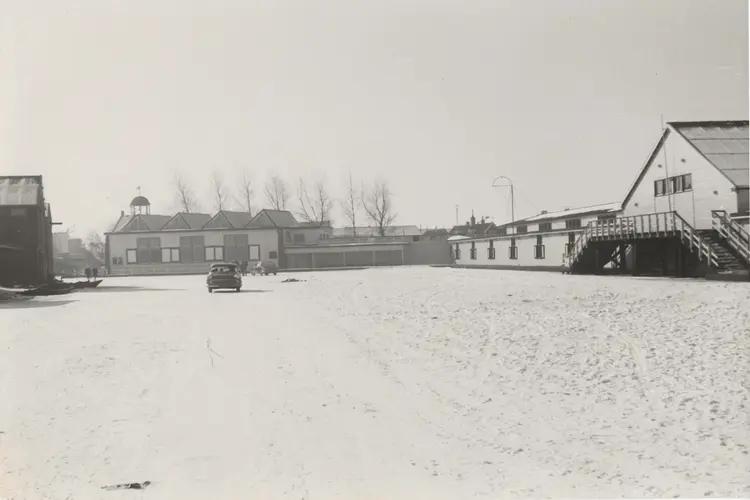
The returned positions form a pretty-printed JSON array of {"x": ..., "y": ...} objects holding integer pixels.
[
  {"x": 634, "y": 270},
  {"x": 597, "y": 259},
  {"x": 623, "y": 257},
  {"x": 680, "y": 270},
  {"x": 649, "y": 225}
]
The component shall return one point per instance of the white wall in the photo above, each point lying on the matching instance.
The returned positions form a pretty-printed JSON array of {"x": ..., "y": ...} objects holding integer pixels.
[
  {"x": 694, "y": 206},
  {"x": 119, "y": 243},
  {"x": 554, "y": 244}
]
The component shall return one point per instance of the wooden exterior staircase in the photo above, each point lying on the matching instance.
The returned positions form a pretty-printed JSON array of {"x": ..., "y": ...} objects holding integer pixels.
[{"x": 608, "y": 241}]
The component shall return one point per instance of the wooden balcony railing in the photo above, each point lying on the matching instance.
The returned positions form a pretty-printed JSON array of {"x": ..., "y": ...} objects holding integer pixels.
[{"x": 656, "y": 225}]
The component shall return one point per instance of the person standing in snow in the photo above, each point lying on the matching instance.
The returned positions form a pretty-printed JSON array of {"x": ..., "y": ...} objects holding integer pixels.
[
  {"x": 88, "y": 273},
  {"x": 95, "y": 272}
]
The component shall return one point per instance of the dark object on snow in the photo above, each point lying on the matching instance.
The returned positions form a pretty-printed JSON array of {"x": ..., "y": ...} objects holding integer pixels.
[
  {"x": 86, "y": 284},
  {"x": 45, "y": 290},
  {"x": 264, "y": 268},
  {"x": 292, "y": 280},
  {"x": 127, "y": 486}
]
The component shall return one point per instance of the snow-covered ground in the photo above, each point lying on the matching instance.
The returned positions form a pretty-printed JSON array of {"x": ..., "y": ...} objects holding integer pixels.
[{"x": 385, "y": 383}]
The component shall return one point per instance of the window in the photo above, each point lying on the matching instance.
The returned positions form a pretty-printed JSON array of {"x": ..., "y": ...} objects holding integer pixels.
[
  {"x": 114, "y": 261},
  {"x": 676, "y": 184},
  {"x": 502, "y": 231},
  {"x": 573, "y": 224},
  {"x": 539, "y": 248},
  {"x": 299, "y": 239},
  {"x": 660, "y": 187},
  {"x": 119, "y": 261},
  {"x": 192, "y": 249},
  {"x": 273, "y": 254},
  {"x": 570, "y": 245},
  {"x": 457, "y": 252},
  {"x": 215, "y": 254},
  {"x": 236, "y": 247},
  {"x": 545, "y": 226},
  {"x": 513, "y": 250},
  {"x": 522, "y": 229},
  {"x": 254, "y": 252},
  {"x": 148, "y": 250},
  {"x": 491, "y": 251},
  {"x": 170, "y": 255},
  {"x": 131, "y": 255},
  {"x": 18, "y": 211},
  {"x": 473, "y": 251}
]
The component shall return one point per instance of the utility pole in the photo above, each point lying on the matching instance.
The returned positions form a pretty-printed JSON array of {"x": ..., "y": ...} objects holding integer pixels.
[
  {"x": 457, "y": 215},
  {"x": 512, "y": 201}
]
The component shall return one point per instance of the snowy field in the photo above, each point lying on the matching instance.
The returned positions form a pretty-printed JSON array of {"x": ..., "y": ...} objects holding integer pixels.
[{"x": 411, "y": 383}]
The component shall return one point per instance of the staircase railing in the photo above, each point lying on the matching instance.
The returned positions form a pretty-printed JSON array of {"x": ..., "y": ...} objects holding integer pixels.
[
  {"x": 732, "y": 232},
  {"x": 642, "y": 226},
  {"x": 694, "y": 240}
]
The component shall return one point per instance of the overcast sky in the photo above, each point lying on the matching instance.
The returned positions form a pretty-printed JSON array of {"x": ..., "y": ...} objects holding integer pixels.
[{"x": 436, "y": 97}]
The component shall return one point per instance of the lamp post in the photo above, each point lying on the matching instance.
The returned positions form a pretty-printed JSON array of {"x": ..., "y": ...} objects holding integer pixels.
[{"x": 512, "y": 201}]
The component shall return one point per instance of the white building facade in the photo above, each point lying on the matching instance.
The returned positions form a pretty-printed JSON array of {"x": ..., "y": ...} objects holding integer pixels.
[
  {"x": 695, "y": 168},
  {"x": 540, "y": 242}
]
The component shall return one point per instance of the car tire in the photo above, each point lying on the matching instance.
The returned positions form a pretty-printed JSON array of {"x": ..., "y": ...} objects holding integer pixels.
[
  {"x": 210, "y": 290},
  {"x": 237, "y": 289}
]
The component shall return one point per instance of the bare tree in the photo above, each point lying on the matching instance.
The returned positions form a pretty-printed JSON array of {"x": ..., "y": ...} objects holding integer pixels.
[
  {"x": 277, "y": 194},
  {"x": 315, "y": 203},
  {"x": 95, "y": 245},
  {"x": 185, "y": 197},
  {"x": 378, "y": 205},
  {"x": 351, "y": 204},
  {"x": 219, "y": 191},
  {"x": 245, "y": 194}
]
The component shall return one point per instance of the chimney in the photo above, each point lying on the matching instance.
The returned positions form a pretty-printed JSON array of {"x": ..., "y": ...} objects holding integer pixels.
[
  {"x": 481, "y": 220},
  {"x": 544, "y": 212},
  {"x": 473, "y": 219},
  {"x": 122, "y": 213}
]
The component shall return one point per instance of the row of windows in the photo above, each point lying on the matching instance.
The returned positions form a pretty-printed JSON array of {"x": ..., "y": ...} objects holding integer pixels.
[
  {"x": 148, "y": 252},
  {"x": 671, "y": 185},
  {"x": 539, "y": 250}
]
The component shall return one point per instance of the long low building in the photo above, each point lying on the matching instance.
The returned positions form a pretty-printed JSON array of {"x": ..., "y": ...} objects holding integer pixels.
[{"x": 539, "y": 242}]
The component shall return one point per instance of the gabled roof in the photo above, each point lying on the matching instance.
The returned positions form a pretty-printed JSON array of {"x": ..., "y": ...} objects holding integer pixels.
[
  {"x": 20, "y": 190},
  {"x": 273, "y": 218},
  {"x": 186, "y": 220},
  {"x": 145, "y": 222},
  {"x": 227, "y": 219},
  {"x": 723, "y": 144},
  {"x": 121, "y": 223}
]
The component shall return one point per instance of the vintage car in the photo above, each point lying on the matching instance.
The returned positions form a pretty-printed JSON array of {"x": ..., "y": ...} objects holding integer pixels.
[
  {"x": 264, "y": 268},
  {"x": 224, "y": 275}
]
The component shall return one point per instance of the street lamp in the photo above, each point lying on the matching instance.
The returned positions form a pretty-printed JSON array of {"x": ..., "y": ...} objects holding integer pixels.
[{"x": 512, "y": 201}]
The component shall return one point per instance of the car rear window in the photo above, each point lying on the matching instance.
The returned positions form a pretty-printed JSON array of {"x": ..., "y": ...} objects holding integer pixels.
[{"x": 224, "y": 269}]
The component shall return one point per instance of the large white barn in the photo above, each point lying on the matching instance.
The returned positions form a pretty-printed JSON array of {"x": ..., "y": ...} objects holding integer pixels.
[{"x": 692, "y": 192}]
